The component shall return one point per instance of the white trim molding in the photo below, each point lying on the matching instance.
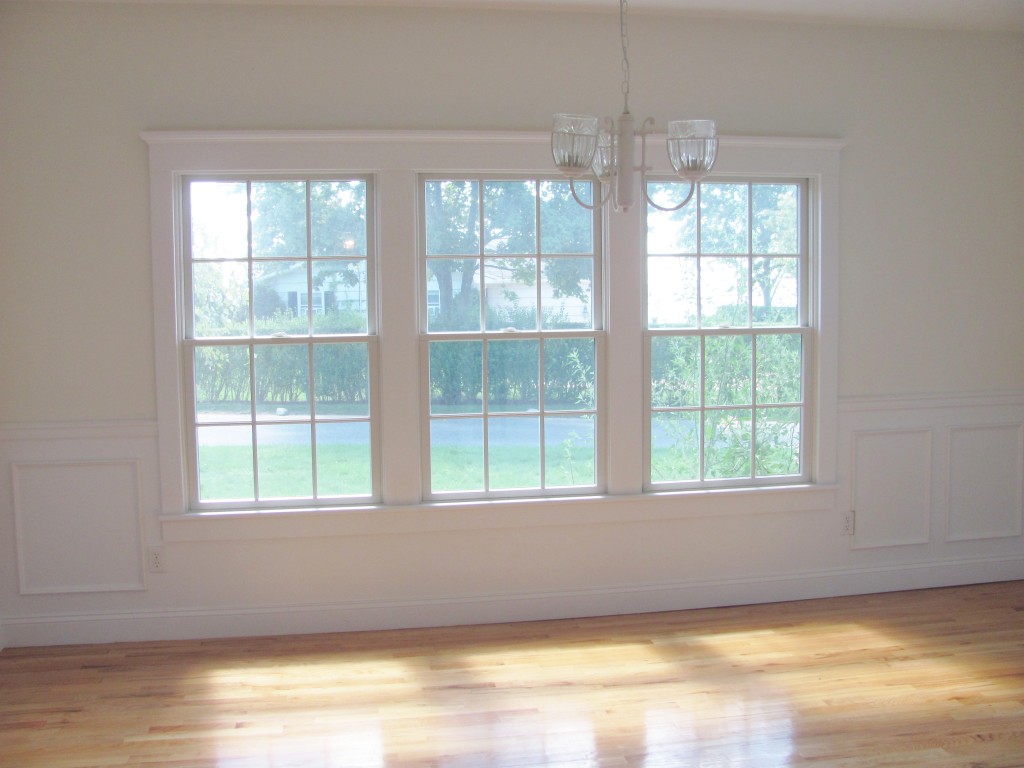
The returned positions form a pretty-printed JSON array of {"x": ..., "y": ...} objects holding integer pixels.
[
  {"x": 255, "y": 620},
  {"x": 397, "y": 158},
  {"x": 764, "y": 546}
]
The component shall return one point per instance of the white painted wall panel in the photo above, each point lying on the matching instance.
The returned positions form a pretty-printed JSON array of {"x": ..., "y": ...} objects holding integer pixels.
[
  {"x": 892, "y": 487},
  {"x": 78, "y": 526},
  {"x": 986, "y": 477}
]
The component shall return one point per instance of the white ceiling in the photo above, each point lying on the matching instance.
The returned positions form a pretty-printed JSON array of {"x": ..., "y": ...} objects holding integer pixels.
[{"x": 988, "y": 15}]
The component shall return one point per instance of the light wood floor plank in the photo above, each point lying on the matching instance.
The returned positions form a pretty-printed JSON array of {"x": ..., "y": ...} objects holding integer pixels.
[{"x": 930, "y": 678}]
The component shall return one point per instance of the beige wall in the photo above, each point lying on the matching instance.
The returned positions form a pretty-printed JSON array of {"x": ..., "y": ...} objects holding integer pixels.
[
  {"x": 931, "y": 326},
  {"x": 932, "y": 187}
]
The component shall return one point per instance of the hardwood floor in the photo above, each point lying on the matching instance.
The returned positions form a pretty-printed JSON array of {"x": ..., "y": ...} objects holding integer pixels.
[{"x": 932, "y": 678}]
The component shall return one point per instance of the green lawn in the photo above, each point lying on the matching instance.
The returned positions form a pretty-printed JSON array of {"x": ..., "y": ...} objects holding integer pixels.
[{"x": 225, "y": 472}]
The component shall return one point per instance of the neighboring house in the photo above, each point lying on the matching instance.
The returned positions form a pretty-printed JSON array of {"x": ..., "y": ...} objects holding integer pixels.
[
  {"x": 345, "y": 289},
  {"x": 333, "y": 289}
]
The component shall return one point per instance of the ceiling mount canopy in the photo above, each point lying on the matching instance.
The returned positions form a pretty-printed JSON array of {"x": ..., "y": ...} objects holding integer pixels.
[{"x": 603, "y": 150}]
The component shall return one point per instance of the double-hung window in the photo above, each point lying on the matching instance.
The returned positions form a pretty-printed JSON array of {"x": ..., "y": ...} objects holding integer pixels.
[
  {"x": 397, "y": 320},
  {"x": 510, "y": 291},
  {"x": 279, "y": 395},
  {"x": 727, "y": 334}
]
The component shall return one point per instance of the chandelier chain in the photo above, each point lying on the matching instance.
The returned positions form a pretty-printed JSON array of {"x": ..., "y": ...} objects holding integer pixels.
[
  {"x": 624, "y": 35},
  {"x": 584, "y": 147}
]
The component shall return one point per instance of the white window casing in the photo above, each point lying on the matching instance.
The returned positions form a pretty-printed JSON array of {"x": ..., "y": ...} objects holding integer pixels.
[{"x": 397, "y": 161}]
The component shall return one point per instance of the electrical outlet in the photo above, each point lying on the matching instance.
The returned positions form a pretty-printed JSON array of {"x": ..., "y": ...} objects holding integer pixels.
[
  {"x": 849, "y": 523},
  {"x": 156, "y": 561}
]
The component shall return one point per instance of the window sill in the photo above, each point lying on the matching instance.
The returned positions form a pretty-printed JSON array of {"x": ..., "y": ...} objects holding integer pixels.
[{"x": 494, "y": 514}]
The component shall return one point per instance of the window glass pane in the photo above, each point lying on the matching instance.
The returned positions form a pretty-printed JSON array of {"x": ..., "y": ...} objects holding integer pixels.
[
  {"x": 343, "y": 466},
  {"x": 565, "y": 225},
  {"x": 727, "y": 443},
  {"x": 675, "y": 371},
  {"x": 723, "y": 216},
  {"x": 513, "y": 449},
  {"x": 746, "y": 273},
  {"x": 567, "y": 292},
  {"x": 510, "y": 217},
  {"x": 457, "y": 454},
  {"x": 219, "y": 219},
  {"x": 672, "y": 292},
  {"x": 502, "y": 379},
  {"x": 285, "y": 461},
  {"x": 511, "y": 293},
  {"x": 457, "y": 283},
  {"x": 281, "y": 297},
  {"x": 776, "y": 225},
  {"x": 299, "y": 265},
  {"x": 723, "y": 292},
  {"x": 338, "y": 218},
  {"x": 779, "y": 368},
  {"x": 340, "y": 304},
  {"x": 513, "y": 369},
  {"x": 569, "y": 375},
  {"x": 728, "y": 366},
  {"x": 670, "y": 232},
  {"x": 675, "y": 446},
  {"x": 341, "y": 380},
  {"x": 282, "y": 381},
  {"x": 569, "y": 450},
  {"x": 225, "y": 463},
  {"x": 778, "y": 441},
  {"x": 456, "y": 377},
  {"x": 452, "y": 218},
  {"x": 775, "y": 291},
  {"x": 279, "y": 219},
  {"x": 220, "y": 299},
  {"x": 221, "y": 376}
]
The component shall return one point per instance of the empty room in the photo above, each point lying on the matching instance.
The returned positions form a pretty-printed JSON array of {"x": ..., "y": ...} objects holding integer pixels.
[{"x": 499, "y": 383}]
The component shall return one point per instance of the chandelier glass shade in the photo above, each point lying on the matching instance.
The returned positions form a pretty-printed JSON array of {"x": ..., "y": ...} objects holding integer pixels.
[{"x": 584, "y": 147}]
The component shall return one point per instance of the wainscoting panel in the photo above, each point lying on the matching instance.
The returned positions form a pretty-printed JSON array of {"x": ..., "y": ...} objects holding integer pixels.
[
  {"x": 986, "y": 482},
  {"x": 891, "y": 487},
  {"x": 78, "y": 526},
  {"x": 936, "y": 484}
]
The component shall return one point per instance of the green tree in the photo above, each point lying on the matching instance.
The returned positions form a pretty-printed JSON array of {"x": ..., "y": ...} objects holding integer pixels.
[{"x": 453, "y": 230}]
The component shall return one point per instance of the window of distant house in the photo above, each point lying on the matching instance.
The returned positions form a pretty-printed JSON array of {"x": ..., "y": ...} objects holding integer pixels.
[
  {"x": 278, "y": 340},
  {"x": 510, "y": 276},
  {"x": 727, "y": 335}
]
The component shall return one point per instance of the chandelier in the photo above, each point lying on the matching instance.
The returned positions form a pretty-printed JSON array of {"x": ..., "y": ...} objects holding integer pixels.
[{"x": 582, "y": 144}]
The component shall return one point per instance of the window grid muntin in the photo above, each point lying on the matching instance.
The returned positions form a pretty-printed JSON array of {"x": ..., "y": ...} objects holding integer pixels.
[
  {"x": 803, "y": 329},
  {"x": 254, "y": 341},
  {"x": 487, "y": 336}
]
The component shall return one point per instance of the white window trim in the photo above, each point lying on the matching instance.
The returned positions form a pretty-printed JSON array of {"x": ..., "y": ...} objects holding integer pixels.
[{"x": 397, "y": 159}]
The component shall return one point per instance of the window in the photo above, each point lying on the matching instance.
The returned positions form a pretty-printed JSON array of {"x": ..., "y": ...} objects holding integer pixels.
[
  {"x": 279, "y": 410},
  {"x": 727, "y": 334},
  {"x": 510, "y": 275},
  {"x": 394, "y": 320}
]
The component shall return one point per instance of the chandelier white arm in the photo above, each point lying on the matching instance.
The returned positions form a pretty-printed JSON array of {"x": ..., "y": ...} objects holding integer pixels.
[{"x": 578, "y": 147}]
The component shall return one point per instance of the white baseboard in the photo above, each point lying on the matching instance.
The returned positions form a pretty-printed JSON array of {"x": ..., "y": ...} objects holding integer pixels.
[{"x": 19, "y": 631}]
